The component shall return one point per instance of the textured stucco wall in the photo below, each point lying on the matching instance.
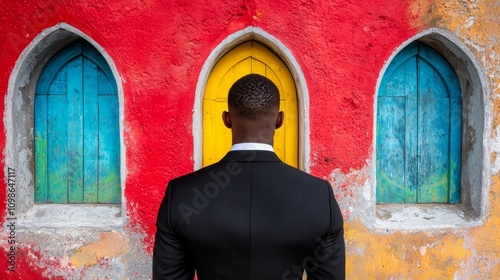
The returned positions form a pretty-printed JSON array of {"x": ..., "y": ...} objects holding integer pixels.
[{"x": 159, "y": 49}]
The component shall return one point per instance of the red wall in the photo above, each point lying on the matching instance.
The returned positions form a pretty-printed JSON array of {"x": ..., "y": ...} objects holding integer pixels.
[{"x": 159, "y": 48}]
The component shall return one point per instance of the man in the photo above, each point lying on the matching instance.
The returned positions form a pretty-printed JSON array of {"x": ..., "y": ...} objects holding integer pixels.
[{"x": 249, "y": 216}]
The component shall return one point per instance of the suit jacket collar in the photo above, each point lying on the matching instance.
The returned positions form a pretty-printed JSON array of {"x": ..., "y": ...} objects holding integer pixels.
[{"x": 250, "y": 156}]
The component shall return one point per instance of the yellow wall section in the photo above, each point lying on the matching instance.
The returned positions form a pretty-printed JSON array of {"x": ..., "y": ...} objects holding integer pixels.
[{"x": 250, "y": 57}]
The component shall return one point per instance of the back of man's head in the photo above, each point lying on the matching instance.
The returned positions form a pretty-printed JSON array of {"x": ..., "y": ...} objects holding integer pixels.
[{"x": 254, "y": 96}]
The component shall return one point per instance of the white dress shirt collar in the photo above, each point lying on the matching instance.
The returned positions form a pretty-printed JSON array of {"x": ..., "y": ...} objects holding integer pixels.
[{"x": 252, "y": 146}]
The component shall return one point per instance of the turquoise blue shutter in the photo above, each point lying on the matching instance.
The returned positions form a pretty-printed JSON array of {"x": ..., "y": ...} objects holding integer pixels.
[
  {"x": 418, "y": 129},
  {"x": 77, "y": 148}
]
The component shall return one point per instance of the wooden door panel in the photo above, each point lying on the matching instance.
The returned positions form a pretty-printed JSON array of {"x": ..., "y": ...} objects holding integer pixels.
[
  {"x": 433, "y": 135},
  {"x": 74, "y": 137},
  {"x": 391, "y": 153},
  {"x": 91, "y": 131},
  {"x": 57, "y": 154},
  {"x": 109, "y": 151},
  {"x": 40, "y": 147}
]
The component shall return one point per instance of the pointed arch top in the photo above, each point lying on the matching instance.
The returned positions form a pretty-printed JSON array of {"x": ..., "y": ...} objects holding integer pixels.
[
  {"x": 256, "y": 34},
  {"x": 456, "y": 52},
  {"x": 34, "y": 57}
]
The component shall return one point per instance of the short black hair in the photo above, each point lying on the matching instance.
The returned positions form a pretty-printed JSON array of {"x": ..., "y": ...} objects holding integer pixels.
[{"x": 253, "y": 96}]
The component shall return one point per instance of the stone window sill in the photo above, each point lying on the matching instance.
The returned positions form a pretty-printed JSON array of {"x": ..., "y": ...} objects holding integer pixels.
[
  {"x": 424, "y": 217},
  {"x": 107, "y": 216}
]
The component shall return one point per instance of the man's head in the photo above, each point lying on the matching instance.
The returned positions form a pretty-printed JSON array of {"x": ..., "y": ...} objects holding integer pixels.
[
  {"x": 253, "y": 103},
  {"x": 253, "y": 96}
]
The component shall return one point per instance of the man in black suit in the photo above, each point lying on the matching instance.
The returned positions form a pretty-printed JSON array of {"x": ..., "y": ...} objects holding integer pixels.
[{"x": 249, "y": 216}]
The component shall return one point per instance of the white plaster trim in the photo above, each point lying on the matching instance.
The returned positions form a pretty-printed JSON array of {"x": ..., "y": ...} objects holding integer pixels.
[
  {"x": 233, "y": 40},
  {"x": 421, "y": 217},
  {"x": 19, "y": 155}
]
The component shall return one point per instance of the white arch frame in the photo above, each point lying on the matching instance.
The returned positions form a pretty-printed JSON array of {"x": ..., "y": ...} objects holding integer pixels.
[
  {"x": 19, "y": 150},
  {"x": 233, "y": 40},
  {"x": 476, "y": 128}
]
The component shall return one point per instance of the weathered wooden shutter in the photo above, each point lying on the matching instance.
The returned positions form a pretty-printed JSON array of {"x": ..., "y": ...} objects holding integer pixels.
[
  {"x": 418, "y": 129},
  {"x": 77, "y": 146}
]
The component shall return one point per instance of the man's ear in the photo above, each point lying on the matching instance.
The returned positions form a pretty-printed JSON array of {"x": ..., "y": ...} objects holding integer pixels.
[
  {"x": 280, "y": 119},
  {"x": 226, "y": 118}
]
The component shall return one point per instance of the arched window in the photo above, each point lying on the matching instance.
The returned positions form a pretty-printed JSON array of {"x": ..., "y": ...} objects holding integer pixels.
[
  {"x": 419, "y": 120},
  {"x": 77, "y": 146}
]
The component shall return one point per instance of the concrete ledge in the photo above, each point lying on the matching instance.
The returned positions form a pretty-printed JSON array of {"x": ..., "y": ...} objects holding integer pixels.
[
  {"x": 71, "y": 216},
  {"x": 424, "y": 217}
]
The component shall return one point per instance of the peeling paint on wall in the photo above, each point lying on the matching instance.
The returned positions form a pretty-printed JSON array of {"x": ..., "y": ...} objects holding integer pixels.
[
  {"x": 403, "y": 255},
  {"x": 110, "y": 245}
]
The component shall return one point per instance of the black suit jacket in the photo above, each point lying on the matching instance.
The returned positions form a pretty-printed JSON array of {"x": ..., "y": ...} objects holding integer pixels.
[{"x": 249, "y": 216}]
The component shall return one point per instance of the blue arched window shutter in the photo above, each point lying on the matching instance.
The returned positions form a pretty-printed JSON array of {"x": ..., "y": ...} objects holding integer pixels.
[
  {"x": 77, "y": 146},
  {"x": 418, "y": 129}
]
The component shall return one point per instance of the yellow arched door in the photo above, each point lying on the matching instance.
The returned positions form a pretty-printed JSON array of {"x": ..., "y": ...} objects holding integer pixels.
[{"x": 250, "y": 57}]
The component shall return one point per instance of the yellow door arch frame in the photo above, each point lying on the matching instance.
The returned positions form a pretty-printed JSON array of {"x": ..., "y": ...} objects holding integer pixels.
[{"x": 249, "y": 57}]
